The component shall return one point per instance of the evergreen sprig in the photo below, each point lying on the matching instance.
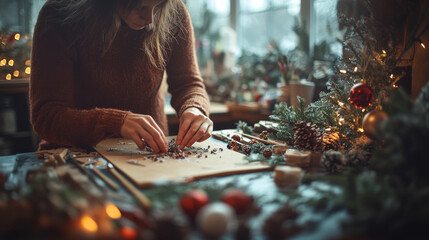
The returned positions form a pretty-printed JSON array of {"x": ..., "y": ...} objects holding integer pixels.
[{"x": 244, "y": 127}]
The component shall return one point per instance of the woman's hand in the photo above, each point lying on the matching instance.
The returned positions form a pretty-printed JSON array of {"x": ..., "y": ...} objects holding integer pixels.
[
  {"x": 142, "y": 128},
  {"x": 194, "y": 126}
]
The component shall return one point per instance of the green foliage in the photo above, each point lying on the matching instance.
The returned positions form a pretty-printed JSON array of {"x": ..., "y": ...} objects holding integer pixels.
[
  {"x": 274, "y": 160},
  {"x": 255, "y": 67},
  {"x": 388, "y": 201},
  {"x": 244, "y": 127},
  {"x": 287, "y": 116},
  {"x": 404, "y": 141}
]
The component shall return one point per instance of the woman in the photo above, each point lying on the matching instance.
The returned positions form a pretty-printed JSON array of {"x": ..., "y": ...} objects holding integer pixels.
[{"x": 97, "y": 68}]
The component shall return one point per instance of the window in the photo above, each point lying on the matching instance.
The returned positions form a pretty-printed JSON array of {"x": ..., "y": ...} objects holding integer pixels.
[
  {"x": 260, "y": 22},
  {"x": 327, "y": 25}
]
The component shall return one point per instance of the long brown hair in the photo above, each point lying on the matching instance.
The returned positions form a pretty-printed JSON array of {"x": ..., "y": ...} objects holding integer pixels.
[{"x": 99, "y": 22}]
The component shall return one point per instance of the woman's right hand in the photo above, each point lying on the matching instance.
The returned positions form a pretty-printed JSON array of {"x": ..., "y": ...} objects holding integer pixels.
[{"x": 142, "y": 128}]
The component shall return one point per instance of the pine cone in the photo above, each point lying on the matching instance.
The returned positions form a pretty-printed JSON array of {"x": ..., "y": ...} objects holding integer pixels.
[
  {"x": 331, "y": 140},
  {"x": 307, "y": 137},
  {"x": 360, "y": 154},
  {"x": 356, "y": 158},
  {"x": 333, "y": 161},
  {"x": 264, "y": 135},
  {"x": 246, "y": 149}
]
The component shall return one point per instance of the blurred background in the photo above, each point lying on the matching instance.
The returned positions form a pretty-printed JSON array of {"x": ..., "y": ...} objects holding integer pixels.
[{"x": 247, "y": 50}]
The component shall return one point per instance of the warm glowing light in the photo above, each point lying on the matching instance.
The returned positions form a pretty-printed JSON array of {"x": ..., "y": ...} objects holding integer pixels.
[
  {"x": 395, "y": 86},
  {"x": 88, "y": 224},
  {"x": 112, "y": 211},
  {"x": 28, "y": 70},
  {"x": 391, "y": 76},
  {"x": 128, "y": 232},
  {"x": 360, "y": 130},
  {"x": 16, "y": 73},
  {"x": 340, "y": 121},
  {"x": 3, "y": 62},
  {"x": 383, "y": 53},
  {"x": 8, "y": 77},
  {"x": 11, "y": 62},
  {"x": 17, "y": 36},
  {"x": 356, "y": 69},
  {"x": 340, "y": 103},
  {"x": 423, "y": 45},
  {"x": 27, "y": 62},
  {"x": 343, "y": 71}
]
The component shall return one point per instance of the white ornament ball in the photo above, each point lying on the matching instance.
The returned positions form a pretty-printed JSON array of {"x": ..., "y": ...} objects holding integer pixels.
[{"x": 216, "y": 219}]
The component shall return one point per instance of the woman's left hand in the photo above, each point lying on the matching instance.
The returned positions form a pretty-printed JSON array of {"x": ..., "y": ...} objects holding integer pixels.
[{"x": 194, "y": 126}]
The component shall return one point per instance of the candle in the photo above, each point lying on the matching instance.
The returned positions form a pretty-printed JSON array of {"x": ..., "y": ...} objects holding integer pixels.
[
  {"x": 298, "y": 158},
  {"x": 286, "y": 176}
]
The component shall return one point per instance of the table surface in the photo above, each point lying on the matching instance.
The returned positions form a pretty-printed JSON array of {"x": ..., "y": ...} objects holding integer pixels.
[{"x": 259, "y": 185}]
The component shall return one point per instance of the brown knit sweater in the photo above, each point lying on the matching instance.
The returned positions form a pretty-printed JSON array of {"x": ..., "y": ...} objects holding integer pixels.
[{"x": 77, "y": 98}]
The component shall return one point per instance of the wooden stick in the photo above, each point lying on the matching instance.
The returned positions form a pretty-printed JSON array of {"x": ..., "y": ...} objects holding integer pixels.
[
  {"x": 262, "y": 140},
  {"x": 139, "y": 196},
  {"x": 107, "y": 180},
  {"x": 85, "y": 172},
  {"x": 222, "y": 137},
  {"x": 61, "y": 157}
]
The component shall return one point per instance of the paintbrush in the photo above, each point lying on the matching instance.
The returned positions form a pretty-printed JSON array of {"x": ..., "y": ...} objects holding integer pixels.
[{"x": 139, "y": 196}]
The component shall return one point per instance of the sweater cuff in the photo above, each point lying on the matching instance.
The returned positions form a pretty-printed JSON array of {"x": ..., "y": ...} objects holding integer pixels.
[
  {"x": 202, "y": 105},
  {"x": 112, "y": 120}
]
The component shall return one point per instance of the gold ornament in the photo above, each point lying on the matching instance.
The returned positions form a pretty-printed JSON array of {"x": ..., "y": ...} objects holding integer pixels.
[{"x": 371, "y": 122}]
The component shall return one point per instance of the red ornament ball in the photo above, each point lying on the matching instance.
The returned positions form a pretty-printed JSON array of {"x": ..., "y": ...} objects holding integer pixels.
[
  {"x": 237, "y": 199},
  {"x": 192, "y": 201},
  {"x": 361, "y": 96}
]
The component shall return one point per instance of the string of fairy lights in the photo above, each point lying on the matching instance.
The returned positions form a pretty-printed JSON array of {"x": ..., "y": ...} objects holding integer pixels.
[
  {"x": 12, "y": 65},
  {"x": 354, "y": 70}
]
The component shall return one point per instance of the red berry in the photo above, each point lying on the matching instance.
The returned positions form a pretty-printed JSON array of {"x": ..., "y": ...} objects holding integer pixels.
[
  {"x": 267, "y": 152},
  {"x": 237, "y": 199},
  {"x": 233, "y": 143},
  {"x": 236, "y": 137},
  {"x": 192, "y": 201}
]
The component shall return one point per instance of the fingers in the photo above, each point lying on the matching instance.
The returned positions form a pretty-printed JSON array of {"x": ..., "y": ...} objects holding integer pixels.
[
  {"x": 153, "y": 133},
  {"x": 200, "y": 128},
  {"x": 207, "y": 134},
  {"x": 202, "y": 133},
  {"x": 138, "y": 127},
  {"x": 183, "y": 129}
]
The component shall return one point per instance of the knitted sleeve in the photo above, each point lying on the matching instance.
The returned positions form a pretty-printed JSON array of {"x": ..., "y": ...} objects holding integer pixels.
[
  {"x": 53, "y": 112},
  {"x": 183, "y": 77}
]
